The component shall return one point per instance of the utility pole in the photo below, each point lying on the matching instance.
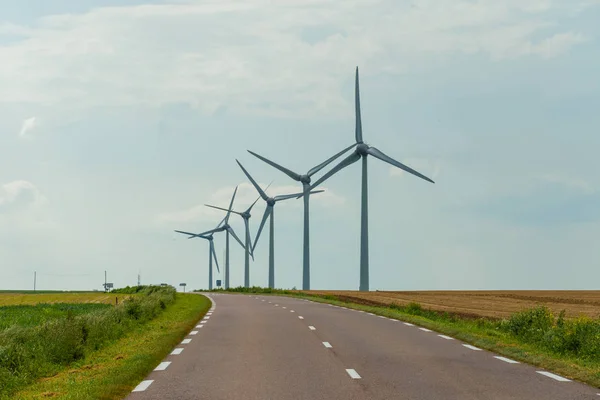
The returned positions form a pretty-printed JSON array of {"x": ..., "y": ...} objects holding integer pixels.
[
  {"x": 34, "y": 279},
  {"x": 105, "y": 280}
]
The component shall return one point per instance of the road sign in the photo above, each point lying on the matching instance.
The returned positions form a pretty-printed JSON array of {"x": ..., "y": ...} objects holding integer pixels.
[{"x": 218, "y": 282}]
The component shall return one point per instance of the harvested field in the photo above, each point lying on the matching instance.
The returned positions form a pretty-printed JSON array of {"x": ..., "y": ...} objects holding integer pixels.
[
  {"x": 492, "y": 304},
  {"x": 10, "y": 299}
]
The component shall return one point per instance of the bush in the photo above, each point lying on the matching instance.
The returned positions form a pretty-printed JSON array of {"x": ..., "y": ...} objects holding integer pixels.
[{"x": 31, "y": 352}]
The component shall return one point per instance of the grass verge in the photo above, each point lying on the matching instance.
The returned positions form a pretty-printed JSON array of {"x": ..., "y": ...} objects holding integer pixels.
[
  {"x": 535, "y": 336},
  {"x": 112, "y": 372}
]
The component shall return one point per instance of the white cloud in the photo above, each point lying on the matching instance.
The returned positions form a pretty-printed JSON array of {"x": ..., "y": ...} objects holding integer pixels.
[
  {"x": 28, "y": 125},
  {"x": 214, "y": 53},
  {"x": 245, "y": 196},
  {"x": 20, "y": 194},
  {"x": 577, "y": 183}
]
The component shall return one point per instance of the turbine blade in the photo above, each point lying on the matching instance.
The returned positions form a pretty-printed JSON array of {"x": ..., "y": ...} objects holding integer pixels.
[
  {"x": 286, "y": 171},
  {"x": 187, "y": 233},
  {"x": 208, "y": 232},
  {"x": 326, "y": 162},
  {"x": 359, "y": 138},
  {"x": 214, "y": 255},
  {"x": 223, "y": 209},
  {"x": 352, "y": 158},
  {"x": 258, "y": 198},
  {"x": 230, "y": 206},
  {"x": 262, "y": 224},
  {"x": 378, "y": 154},
  {"x": 295, "y": 195},
  {"x": 258, "y": 189},
  {"x": 230, "y": 230}
]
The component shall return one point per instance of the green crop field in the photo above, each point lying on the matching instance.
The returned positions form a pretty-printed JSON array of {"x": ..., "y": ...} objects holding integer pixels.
[{"x": 31, "y": 298}]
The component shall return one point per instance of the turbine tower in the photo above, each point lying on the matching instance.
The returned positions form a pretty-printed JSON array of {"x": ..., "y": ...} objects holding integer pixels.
[
  {"x": 269, "y": 213},
  {"x": 305, "y": 180},
  {"x": 225, "y": 227},
  {"x": 363, "y": 150}
]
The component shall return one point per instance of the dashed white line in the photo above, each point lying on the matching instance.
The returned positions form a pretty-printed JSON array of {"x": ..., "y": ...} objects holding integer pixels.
[
  {"x": 553, "y": 376},
  {"x": 176, "y": 352},
  {"x": 292, "y": 311},
  {"x": 300, "y": 316},
  {"x": 143, "y": 386},
  {"x": 283, "y": 308},
  {"x": 446, "y": 337},
  {"x": 381, "y": 316},
  {"x": 508, "y": 360},
  {"x": 186, "y": 341},
  {"x": 193, "y": 332},
  {"x": 276, "y": 305},
  {"x": 162, "y": 366},
  {"x": 312, "y": 328},
  {"x": 203, "y": 322},
  {"x": 468, "y": 346},
  {"x": 327, "y": 344},
  {"x": 408, "y": 323},
  {"x": 370, "y": 313},
  {"x": 207, "y": 317},
  {"x": 353, "y": 374},
  {"x": 425, "y": 329}
]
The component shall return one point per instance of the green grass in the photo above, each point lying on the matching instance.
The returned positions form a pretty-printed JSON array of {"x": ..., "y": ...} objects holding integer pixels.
[
  {"x": 112, "y": 372},
  {"x": 535, "y": 336},
  {"x": 28, "y": 315}
]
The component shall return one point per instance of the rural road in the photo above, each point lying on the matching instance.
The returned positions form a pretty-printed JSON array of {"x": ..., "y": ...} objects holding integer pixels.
[{"x": 267, "y": 347}]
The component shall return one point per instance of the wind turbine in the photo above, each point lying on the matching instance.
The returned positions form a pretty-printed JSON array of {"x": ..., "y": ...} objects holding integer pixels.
[
  {"x": 220, "y": 228},
  {"x": 305, "y": 180},
  {"x": 363, "y": 150},
  {"x": 245, "y": 216},
  {"x": 269, "y": 212}
]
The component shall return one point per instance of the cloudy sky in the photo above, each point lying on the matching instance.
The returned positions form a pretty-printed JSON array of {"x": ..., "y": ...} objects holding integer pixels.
[{"x": 120, "y": 119}]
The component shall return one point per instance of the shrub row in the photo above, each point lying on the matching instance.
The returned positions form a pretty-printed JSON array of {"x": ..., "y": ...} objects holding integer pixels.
[{"x": 28, "y": 353}]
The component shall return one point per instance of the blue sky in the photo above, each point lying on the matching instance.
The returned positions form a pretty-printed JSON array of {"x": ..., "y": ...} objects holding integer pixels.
[{"x": 120, "y": 119}]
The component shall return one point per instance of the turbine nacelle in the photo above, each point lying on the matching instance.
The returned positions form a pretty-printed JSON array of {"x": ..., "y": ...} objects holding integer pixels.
[
  {"x": 362, "y": 149},
  {"x": 270, "y": 201},
  {"x": 305, "y": 179}
]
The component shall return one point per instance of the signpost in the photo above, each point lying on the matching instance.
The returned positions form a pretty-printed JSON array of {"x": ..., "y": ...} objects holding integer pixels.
[
  {"x": 218, "y": 282},
  {"x": 184, "y": 285}
]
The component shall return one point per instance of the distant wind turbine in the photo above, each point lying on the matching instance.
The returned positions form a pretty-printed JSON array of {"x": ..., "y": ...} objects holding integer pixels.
[
  {"x": 363, "y": 150},
  {"x": 221, "y": 228},
  {"x": 249, "y": 251},
  {"x": 269, "y": 213},
  {"x": 305, "y": 180}
]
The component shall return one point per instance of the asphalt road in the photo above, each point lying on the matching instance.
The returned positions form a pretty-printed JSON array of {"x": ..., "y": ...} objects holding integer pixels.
[{"x": 267, "y": 347}]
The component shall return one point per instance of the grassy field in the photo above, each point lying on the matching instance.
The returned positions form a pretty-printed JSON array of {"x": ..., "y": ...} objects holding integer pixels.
[
  {"x": 112, "y": 372},
  {"x": 22, "y": 298},
  {"x": 42, "y": 335},
  {"x": 472, "y": 304}
]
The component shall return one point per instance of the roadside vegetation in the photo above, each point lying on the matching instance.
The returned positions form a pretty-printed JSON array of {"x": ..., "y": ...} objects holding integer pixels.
[
  {"x": 569, "y": 346},
  {"x": 41, "y": 341}
]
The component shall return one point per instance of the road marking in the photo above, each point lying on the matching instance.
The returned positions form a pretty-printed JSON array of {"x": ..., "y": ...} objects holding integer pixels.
[
  {"x": 508, "y": 360},
  {"x": 208, "y": 317},
  {"x": 381, "y": 316},
  {"x": 408, "y": 323},
  {"x": 203, "y": 322},
  {"x": 143, "y": 386},
  {"x": 446, "y": 337},
  {"x": 283, "y": 308},
  {"x": 553, "y": 376},
  {"x": 276, "y": 305},
  {"x": 326, "y": 344},
  {"x": 162, "y": 366},
  {"x": 262, "y": 300},
  {"x": 300, "y": 316},
  {"x": 312, "y": 328},
  {"x": 199, "y": 326},
  {"x": 186, "y": 341},
  {"x": 270, "y": 303},
  {"x": 370, "y": 313},
  {"x": 292, "y": 311},
  {"x": 425, "y": 329},
  {"x": 353, "y": 374},
  {"x": 468, "y": 346},
  {"x": 176, "y": 352},
  {"x": 193, "y": 332}
]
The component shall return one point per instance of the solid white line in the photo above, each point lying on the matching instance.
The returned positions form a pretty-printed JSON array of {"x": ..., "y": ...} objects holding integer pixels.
[
  {"x": 446, "y": 337},
  {"x": 193, "y": 332},
  {"x": 468, "y": 346},
  {"x": 508, "y": 360},
  {"x": 300, "y": 316},
  {"x": 176, "y": 352},
  {"x": 312, "y": 328},
  {"x": 143, "y": 386},
  {"x": 425, "y": 329},
  {"x": 553, "y": 376},
  {"x": 162, "y": 366},
  {"x": 408, "y": 323},
  {"x": 353, "y": 374},
  {"x": 326, "y": 344},
  {"x": 186, "y": 341}
]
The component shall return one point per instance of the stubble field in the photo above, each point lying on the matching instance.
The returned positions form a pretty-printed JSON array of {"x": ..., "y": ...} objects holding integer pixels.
[{"x": 491, "y": 304}]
